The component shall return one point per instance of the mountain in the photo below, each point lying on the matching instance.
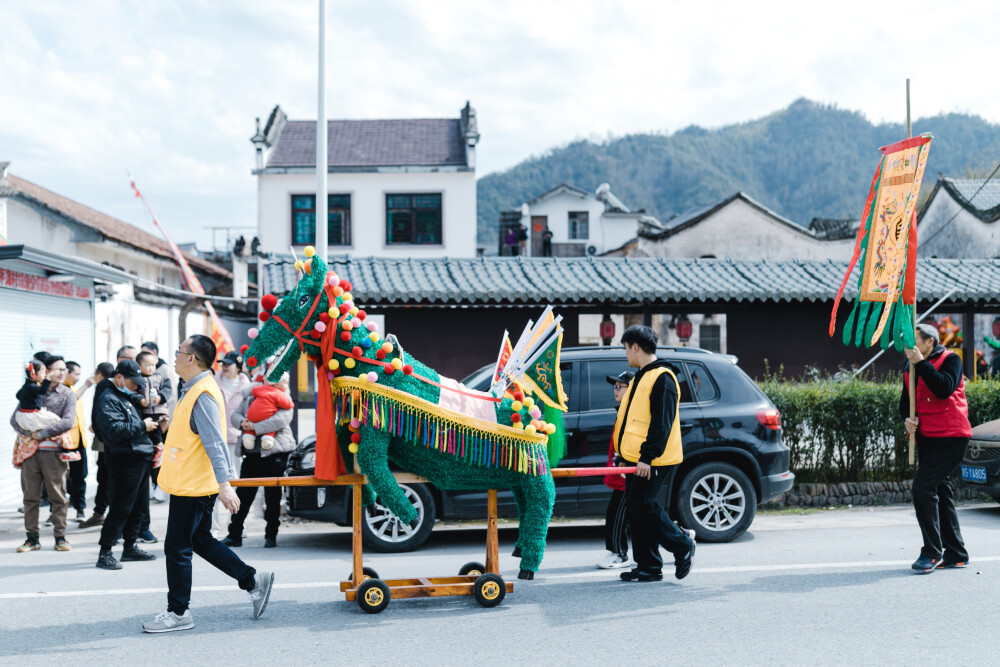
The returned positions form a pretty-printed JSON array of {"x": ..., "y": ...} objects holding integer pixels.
[{"x": 809, "y": 160}]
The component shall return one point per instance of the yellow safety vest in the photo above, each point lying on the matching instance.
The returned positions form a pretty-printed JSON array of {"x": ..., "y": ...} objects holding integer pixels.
[
  {"x": 186, "y": 469},
  {"x": 78, "y": 434},
  {"x": 634, "y": 412}
]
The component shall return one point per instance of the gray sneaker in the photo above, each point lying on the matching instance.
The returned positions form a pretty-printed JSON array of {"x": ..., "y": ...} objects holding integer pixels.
[
  {"x": 261, "y": 592},
  {"x": 168, "y": 621}
]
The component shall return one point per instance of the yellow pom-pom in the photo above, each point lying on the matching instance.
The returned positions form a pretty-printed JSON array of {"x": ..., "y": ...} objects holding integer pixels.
[
  {"x": 354, "y": 311},
  {"x": 528, "y": 402},
  {"x": 518, "y": 425},
  {"x": 298, "y": 265},
  {"x": 363, "y": 377},
  {"x": 516, "y": 406},
  {"x": 530, "y": 429},
  {"x": 374, "y": 336},
  {"x": 550, "y": 428},
  {"x": 348, "y": 296},
  {"x": 334, "y": 364},
  {"x": 309, "y": 251},
  {"x": 397, "y": 363},
  {"x": 333, "y": 313},
  {"x": 387, "y": 348},
  {"x": 349, "y": 363},
  {"x": 352, "y": 448}
]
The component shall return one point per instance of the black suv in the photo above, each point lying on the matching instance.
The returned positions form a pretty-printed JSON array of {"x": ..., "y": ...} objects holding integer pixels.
[
  {"x": 981, "y": 464},
  {"x": 733, "y": 454}
]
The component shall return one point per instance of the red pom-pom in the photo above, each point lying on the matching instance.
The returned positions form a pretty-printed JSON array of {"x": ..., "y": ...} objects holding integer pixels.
[
  {"x": 269, "y": 301},
  {"x": 357, "y": 351},
  {"x": 361, "y": 315},
  {"x": 251, "y": 361},
  {"x": 315, "y": 334},
  {"x": 407, "y": 369},
  {"x": 518, "y": 395},
  {"x": 324, "y": 318},
  {"x": 264, "y": 316},
  {"x": 515, "y": 418},
  {"x": 343, "y": 308},
  {"x": 345, "y": 336},
  {"x": 345, "y": 284},
  {"x": 244, "y": 348},
  {"x": 355, "y": 438},
  {"x": 380, "y": 353},
  {"x": 389, "y": 369}
]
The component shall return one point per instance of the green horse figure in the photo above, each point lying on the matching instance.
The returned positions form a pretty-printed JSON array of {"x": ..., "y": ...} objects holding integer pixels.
[{"x": 386, "y": 406}]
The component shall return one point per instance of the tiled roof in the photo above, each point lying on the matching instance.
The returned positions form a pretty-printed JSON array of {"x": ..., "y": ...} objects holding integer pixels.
[
  {"x": 979, "y": 196},
  {"x": 433, "y": 142},
  {"x": 496, "y": 281},
  {"x": 109, "y": 227}
]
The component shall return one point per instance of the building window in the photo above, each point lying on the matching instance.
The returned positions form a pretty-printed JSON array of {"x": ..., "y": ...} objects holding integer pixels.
[
  {"x": 338, "y": 216},
  {"x": 579, "y": 225},
  {"x": 710, "y": 337},
  {"x": 413, "y": 219}
]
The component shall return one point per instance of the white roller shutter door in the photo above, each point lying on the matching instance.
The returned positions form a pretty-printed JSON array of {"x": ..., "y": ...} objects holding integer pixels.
[{"x": 30, "y": 322}]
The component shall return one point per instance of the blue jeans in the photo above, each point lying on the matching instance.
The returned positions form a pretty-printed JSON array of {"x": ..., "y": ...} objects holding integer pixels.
[{"x": 189, "y": 529}]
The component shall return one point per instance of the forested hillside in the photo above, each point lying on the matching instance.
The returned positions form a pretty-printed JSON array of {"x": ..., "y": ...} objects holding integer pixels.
[{"x": 806, "y": 161}]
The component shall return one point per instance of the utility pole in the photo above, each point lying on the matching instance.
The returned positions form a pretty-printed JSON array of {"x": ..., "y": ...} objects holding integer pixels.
[{"x": 322, "y": 242}]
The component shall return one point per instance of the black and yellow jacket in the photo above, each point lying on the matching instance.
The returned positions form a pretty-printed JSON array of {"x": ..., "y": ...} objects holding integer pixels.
[{"x": 647, "y": 429}]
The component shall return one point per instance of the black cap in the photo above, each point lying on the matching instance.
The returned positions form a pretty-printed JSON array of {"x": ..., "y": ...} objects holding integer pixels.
[
  {"x": 232, "y": 357},
  {"x": 624, "y": 377},
  {"x": 130, "y": 370}
]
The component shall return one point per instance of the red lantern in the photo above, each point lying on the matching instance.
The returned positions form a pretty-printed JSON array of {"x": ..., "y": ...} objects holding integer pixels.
[
  {"x": 684, "y": 328},
  {"x": 996, "y": 328},
  {"x": 607, "y": 329}
]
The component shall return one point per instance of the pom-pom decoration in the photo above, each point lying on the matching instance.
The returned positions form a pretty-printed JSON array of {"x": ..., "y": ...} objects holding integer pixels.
[
  {"x": 332, "y": 281},
  {"x": 315, "y": 334},
  {"x": 407, "y": 369},
  {"x": 373, "y": 337},
  {"x": 355, "y": 438},
  {"x": 252, "y": 333},
  {"x": 320, "y": 326},
  {"x": 347, "y": 325},
  {"x": 251, "y": 362},
  {"x": 309, "y": 251},
  {"x": 387, "y": 348},
  {"x": 298, "y": 265},
  {"x": 380, "y": 354},
  {"x": 550, "y": 428},
  {"x": 244, "y": 348},
  {"x": 347, "y": 294},
  {"x": 354, "y": 311},
  {"x": 268, "y": 301},
  {"x": 371, "y": 326},
  {"x": 372, "y": 376},
  {"x": 324, "y": 318},
  {"x": 333, "y": 313},
  {"x": 397, "y": 363},
  {"x": 518, "y": 395},
  {"x": 264, "y": 316},
  {"x": 361, "y": 314},
  {"x": 530, "y": 429},
  {"x": 349, "y": 363},
  {"x": 352, "y": 448},
  {"x": 357, "y": 351},
  {"x": 366, "y": 343},
  {"x": 334, "y": 364},
  {"x": 389, "y": 369},
  {"x": 516, "y": 418},
  {"x": 528, "y": 401},
  {"x": 307, "y": 266},
  {"x": 518, "y": 425},
  {"x": 338, "y": 290},
  {"x": 535, "y": 412},
  {"x": 516, "y": 406},
  {"x": 345, "y": 336},
  {"x": 330, "y": 375}
]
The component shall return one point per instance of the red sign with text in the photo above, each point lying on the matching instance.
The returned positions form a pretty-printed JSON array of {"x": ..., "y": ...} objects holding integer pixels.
[{"x": 28, "y": 283}]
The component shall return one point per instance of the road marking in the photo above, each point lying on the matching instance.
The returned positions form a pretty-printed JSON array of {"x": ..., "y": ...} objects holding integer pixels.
[{"x": 595, "y": 574}]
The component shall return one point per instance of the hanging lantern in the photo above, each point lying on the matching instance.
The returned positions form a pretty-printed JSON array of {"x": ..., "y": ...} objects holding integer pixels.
[
  {"x": 684, "y": 328},
  {"x": 996, "y": 328},
  {"x": 607, "y": 329}
]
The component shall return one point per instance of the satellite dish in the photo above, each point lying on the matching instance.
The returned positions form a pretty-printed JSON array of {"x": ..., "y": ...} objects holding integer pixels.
[{"x": 591, "y": 250}]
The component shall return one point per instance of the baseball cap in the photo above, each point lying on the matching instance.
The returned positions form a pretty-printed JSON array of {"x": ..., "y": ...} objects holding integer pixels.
[
  {"x": 231, "y": 358},
  {"x": 130, "y": 370},
  {"x": 624, "y": 377}
]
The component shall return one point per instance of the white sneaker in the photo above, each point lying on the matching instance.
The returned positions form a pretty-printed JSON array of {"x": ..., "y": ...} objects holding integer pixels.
[
  {"x": 613, "y": 561},
  {"x": 261, "y": 592},
  {"x": 168, "y": 621}
]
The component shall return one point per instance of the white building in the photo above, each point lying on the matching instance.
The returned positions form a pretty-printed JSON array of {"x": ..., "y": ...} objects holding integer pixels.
[
  {"x": 959, "y": 220},
  {"x": 397, "y": 188},
  {"x": 581, "y": 223}
]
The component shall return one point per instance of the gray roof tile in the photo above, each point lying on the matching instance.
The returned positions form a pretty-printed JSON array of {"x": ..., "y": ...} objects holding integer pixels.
[
  {"x": 626, "y": 281},
  {"x": 432, "y": 142}
]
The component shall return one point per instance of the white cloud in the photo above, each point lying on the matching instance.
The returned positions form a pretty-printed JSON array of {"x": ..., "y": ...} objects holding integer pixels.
[{"x": 169, "y": 90}]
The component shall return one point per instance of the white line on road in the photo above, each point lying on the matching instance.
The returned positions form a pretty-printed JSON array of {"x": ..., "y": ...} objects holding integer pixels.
[{"x": 877, "y": 564}]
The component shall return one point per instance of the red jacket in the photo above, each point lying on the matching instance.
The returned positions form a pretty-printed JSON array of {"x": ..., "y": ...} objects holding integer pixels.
[
  {"x": 946, "y": 417},
  {"x": 614, "y": 481}
]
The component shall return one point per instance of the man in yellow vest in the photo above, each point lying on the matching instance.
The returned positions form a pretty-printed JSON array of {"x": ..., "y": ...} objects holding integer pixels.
[
  {"x": 648, "y": 434},
  {"x": 196, "y": 468}
]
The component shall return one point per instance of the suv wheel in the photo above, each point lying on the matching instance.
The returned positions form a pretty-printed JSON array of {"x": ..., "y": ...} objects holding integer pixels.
[
  {"x": 718, "y": 501},
  {"x": 383, "y": 531}
]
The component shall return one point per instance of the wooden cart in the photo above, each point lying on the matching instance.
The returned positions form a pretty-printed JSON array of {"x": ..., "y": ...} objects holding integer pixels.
[{"x": 482, "y": 581}]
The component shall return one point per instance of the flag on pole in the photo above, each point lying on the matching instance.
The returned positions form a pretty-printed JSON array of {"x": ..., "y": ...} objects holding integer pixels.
[
  {"x": 544, "y": 377},
  {"x": 223, "y": 341},
  {"x": 887, "y": 246}
]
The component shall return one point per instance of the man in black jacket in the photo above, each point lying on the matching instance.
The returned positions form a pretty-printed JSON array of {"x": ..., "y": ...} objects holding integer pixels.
[{"x": 130, "y": 453}]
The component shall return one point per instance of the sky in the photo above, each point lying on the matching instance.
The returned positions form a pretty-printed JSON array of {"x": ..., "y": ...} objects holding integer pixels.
[{"x": 167, "y": 91}]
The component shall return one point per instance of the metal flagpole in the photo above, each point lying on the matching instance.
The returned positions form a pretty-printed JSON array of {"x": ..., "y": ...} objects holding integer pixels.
[
  {"x": 322, "y": 242},
  {"x": 913, "y": 375}
]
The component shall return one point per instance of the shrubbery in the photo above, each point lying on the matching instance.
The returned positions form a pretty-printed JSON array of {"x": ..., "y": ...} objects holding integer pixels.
[{"x": 849, "y": 430}]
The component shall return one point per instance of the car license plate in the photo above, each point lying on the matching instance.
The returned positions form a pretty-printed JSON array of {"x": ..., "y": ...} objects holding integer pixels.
[{"x": 974, "y": 474}]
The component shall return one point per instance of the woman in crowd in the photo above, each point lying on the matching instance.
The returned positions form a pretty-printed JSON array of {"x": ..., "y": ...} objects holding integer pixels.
[{"x": 232, "y": 381}]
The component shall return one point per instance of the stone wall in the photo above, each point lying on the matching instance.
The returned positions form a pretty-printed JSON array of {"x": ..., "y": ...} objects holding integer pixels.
[{"x": 855, "y": 493}]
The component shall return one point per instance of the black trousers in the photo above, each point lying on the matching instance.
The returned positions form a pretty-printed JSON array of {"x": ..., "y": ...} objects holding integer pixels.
[
  {"x": 103, "y": 495},
  {"x": 651, "y": 527},
  {"x": 189, "y": 530},
  {"x": 129, "y": 498},
  {"x": 616, "y": 524},
  {"x": 76, "y": 483},
  {"x": 255, "y": 465},
  {"x": 933, "y": 499}
]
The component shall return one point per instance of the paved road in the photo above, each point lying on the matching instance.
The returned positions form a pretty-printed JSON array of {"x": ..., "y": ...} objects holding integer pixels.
[{"x": 826, "y": 588}]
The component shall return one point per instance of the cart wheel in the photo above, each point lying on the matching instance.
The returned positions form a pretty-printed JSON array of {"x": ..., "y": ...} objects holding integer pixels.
[
  {"x": 366, "y": 572},
  {"x": 489, "y": 589},
  {"x": 373, "y": 596},
  {"x": 472, "y": 568}
]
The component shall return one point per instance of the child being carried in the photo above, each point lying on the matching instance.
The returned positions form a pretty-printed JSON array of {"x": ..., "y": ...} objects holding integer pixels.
[
  {"x": 31, "y": 413},
  {"x": 268, "y": 399}
]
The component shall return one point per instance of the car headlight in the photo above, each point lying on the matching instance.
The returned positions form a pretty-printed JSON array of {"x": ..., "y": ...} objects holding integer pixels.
[{"x": 308, "y": 460}]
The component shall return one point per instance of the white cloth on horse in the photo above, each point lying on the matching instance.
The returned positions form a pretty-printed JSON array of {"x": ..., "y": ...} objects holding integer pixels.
[{"x": 478, "y": 405}]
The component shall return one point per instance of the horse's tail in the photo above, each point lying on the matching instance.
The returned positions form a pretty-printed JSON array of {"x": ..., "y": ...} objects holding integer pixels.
[{"x": 557, "y": 441}]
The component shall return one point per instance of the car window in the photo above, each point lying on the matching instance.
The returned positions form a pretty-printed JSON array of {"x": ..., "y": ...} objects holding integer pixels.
[
  {"x": 702, "y": 385},
  {"x": 600, "y": 391}
]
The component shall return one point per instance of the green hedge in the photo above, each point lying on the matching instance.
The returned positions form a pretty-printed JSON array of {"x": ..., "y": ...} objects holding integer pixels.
[{"x": 850, "y": 430}]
